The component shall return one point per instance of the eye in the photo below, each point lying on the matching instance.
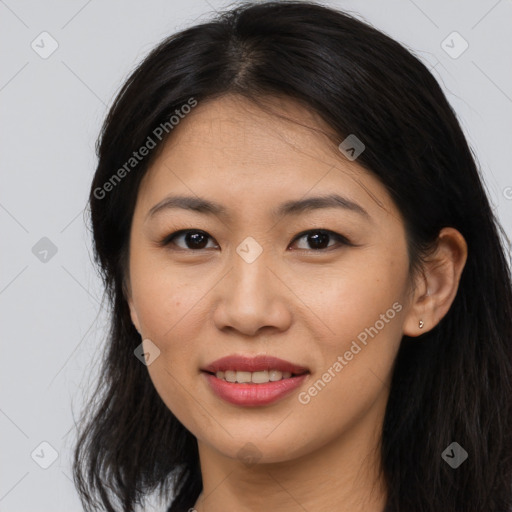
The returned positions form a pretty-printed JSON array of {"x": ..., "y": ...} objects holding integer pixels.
[
  {"x": 319, "y": 239},
  {"x": 194, "y": 239}
]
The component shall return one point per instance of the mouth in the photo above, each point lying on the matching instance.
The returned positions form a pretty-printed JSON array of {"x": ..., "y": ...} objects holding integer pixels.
[
  {"x": 253, "y": 381},
  {"x": 259, "y": 377}
]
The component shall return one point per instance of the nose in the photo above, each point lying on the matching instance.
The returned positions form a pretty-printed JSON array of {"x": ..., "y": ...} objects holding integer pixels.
[{"x": 252, "y": 297}]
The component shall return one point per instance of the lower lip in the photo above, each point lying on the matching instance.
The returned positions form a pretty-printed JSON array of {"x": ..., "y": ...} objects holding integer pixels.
[{"x": 253, "y": 395}]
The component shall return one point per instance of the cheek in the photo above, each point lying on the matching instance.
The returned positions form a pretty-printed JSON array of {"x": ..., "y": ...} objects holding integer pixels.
[
  {"x": 364, "y": 320},
  {"x": 171, "y": 317},
  {"x": 352, "y": 300},
  {"x": 165, "y": 298},
  {"x": 364, "y": 309}
]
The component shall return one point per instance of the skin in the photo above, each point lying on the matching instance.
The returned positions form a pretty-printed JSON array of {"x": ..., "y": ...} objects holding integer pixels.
[{"x": 295, "y": 302}]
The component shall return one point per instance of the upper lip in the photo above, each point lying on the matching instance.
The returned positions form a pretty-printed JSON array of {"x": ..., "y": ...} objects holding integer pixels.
[{"x": 253, "y": 364}]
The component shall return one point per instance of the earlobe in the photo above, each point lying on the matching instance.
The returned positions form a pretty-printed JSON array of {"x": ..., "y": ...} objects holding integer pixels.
[{"x": 437, "y": 285}]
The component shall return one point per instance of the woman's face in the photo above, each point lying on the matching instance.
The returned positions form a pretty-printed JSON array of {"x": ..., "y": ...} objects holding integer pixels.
[{"x": 244, "y": 283}]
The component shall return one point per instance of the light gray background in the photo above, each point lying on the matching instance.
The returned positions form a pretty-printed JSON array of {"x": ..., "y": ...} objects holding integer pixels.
[{"x": 52, "y": 327}]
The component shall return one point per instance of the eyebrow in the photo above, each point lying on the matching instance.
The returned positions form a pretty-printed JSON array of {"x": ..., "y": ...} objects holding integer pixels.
[{"x": 293, "y": 207}]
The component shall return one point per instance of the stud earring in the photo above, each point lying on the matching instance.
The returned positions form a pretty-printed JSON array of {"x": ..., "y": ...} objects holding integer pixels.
[{"x": 420, "y": 325}]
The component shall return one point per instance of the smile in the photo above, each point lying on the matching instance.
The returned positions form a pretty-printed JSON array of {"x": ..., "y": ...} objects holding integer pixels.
[
  {"x": 252, "y": 381},
  {"x": 261, "y": 377}
]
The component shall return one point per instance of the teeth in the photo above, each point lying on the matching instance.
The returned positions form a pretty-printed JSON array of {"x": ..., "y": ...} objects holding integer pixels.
[
  {"x": 260, "y": 377},
  {"x": 243, "y": 376},
  {"x": 230, "y": 376},
  {"x": 254, "y": 377}
]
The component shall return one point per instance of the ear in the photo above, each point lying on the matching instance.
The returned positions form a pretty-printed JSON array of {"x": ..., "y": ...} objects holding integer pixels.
[{"x": 437, "y": 285}]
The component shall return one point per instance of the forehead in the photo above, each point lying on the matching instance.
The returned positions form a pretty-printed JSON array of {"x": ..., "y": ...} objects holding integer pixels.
[
  {"x": 236, "y": 127},
  {"x": 232, "y": 151}
]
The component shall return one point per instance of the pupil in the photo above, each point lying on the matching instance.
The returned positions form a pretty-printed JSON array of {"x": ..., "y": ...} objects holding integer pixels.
[
  {"x": 195, "y": 240},
  {"x": 318, "y": 240}
]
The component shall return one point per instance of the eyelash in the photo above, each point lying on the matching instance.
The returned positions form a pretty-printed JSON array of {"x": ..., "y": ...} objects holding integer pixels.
[{"x": 167, "y": 240}]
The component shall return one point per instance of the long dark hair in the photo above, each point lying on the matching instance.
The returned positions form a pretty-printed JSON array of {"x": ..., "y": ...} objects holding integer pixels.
[{"x": 452, "y": 385}]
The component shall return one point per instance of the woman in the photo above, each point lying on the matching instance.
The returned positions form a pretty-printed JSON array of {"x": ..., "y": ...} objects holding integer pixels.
[{"x": 311, "y": 305}]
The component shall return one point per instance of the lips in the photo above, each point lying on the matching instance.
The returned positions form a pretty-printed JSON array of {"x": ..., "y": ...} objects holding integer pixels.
[
  {"x": 253, "y": 395},
  {"x": 254, "y": 364},
  {"x": 253, "y": 381}
]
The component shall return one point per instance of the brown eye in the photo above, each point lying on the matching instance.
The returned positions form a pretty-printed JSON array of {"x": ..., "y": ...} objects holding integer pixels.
[
  {"x": 319, "y": 239},
  {"x": 192, "y": 239}
]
